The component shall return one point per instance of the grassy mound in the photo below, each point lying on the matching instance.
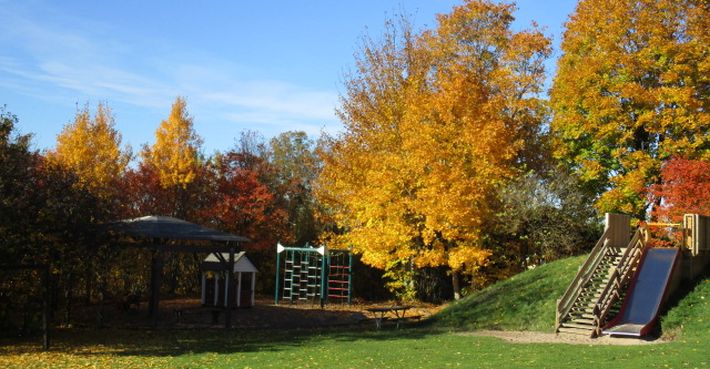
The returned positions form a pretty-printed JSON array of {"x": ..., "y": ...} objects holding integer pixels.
[
  {"x": 524, "y": 302},
  {"x": 527, "y": 302},
  {"x": 690, "y": 313}
]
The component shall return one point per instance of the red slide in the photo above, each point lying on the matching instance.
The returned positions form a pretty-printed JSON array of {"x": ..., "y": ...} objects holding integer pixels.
[{"x": 647, "y": 291}]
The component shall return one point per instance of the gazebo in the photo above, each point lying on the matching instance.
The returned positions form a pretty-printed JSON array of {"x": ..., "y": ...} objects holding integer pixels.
[
  {"x": 214, "y": 290},
  {"x": 161, "y": 233}
]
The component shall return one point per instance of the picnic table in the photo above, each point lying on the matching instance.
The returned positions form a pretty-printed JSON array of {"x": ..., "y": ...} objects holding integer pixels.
[{"x": 381, "y": 313}]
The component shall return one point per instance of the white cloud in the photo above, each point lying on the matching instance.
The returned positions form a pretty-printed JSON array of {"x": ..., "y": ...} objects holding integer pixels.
[{"x": 91, "y": 60}]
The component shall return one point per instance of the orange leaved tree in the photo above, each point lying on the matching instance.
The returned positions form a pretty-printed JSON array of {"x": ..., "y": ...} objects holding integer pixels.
[{"x": 435, "y": 123}]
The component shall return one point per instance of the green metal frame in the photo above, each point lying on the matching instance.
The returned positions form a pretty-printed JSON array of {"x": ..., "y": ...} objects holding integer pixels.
[{"x": 301, "y": 252}]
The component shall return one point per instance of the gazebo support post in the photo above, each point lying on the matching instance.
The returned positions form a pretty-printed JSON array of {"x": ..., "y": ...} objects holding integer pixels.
[
  {"x": 203, "y": 295},
  {"x": 253, "y": 287},
  {"x": 215, "y": 301},
  {"x": 156, "y": 272},
  {"x": 230, "y": 276},
  {"x": 239, "y": 289}
]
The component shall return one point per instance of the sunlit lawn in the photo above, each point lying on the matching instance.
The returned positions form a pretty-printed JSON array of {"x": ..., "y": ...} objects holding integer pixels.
[
  {"x": 433, "y": 346},
  {"x": 404, "y": 348}
]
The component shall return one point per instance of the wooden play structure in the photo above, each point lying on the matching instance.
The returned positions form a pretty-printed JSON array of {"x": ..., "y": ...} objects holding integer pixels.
[
  {"x": 312, "y": 274},
  {"x": 623, "y": 283},
  {"x": 215, "y": 282}
]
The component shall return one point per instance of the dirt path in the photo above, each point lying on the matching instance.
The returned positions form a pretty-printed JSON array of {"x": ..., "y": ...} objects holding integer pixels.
[{"x": 541, "y": 337}]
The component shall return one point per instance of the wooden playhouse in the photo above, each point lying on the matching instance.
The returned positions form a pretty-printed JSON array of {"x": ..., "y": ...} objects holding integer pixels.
[{"x": 215, "y": 283}]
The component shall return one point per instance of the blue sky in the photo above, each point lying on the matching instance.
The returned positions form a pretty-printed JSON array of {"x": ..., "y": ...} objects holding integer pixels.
[{"x": 269, "y": 66}]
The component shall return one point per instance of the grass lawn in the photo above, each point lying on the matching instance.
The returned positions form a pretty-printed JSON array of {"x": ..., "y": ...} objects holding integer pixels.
[
  {"x": 436, "y": 345},
  {"x": 413, "y": 348}
]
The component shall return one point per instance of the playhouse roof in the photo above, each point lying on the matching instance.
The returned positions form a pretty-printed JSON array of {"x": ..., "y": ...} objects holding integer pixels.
[
  {"x": 163, "y": 227},
  {"x": 241, "y": 262}
]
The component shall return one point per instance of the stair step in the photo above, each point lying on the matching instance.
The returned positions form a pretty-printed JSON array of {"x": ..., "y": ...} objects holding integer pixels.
[
  {"x": 589, "y": 327},
  {"x": 581, "y": 310},
  {"x": 586, "y": 321},
  {"x": 575, "y": 331}
]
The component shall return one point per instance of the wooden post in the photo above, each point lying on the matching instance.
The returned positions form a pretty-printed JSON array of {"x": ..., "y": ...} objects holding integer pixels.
[
  {"x": 239, "y": 289},
  {"x": 216, "y": 289},
  {"x": 203, "y": 297},
  {"x": 620, "y": 226},
  {"x": 226, "y": 292},
  {"x": 230, "y": 272},
  {"x": 155, "y": 279},
  {"x": 253, "y": 286}
]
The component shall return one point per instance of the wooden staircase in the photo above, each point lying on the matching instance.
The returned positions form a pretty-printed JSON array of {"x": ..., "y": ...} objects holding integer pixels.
[{"x": 598, "y": 286}]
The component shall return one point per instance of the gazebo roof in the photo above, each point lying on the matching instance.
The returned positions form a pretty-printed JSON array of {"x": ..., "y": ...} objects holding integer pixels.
[{"x": 172, "y": 228}]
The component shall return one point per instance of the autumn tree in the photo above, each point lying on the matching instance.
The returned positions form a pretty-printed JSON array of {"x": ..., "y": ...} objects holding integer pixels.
[
  {"x": 91, "y": 148},
  {"x": 244, "y": 204},
  {"x": 631, "y": 91},
  {"x": 435, "y": 122},
  {"x": 174, "y": 158},
  {"x": 684, "y": 188}
]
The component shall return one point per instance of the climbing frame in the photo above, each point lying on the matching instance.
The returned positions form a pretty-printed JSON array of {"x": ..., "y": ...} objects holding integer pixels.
[
  {"x": 303, "y": 269},
  {"x": 340, "y": 276},
  {"x": 310, "y": 274}
]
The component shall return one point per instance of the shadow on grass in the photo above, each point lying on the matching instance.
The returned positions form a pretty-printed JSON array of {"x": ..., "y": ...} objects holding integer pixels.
[{"x": 176, "y": 342}]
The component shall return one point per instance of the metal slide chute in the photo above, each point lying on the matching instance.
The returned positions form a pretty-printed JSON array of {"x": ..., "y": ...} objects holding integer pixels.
[{"x": 647, "y": 291}]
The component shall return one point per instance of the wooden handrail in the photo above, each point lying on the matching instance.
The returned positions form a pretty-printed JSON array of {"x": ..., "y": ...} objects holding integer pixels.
[
  {"x": 621, "y": 274},
  {"x": 565, "y": 303}
]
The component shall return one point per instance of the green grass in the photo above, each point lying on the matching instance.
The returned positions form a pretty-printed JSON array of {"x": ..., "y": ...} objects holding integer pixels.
[
  {"x": 526, "y": 301},
  {"x": 435, "y": 346}
]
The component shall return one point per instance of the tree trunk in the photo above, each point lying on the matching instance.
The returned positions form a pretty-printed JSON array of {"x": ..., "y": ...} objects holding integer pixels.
[
  {"x": 68, "y": 299},
  {"x": 456, "y": 284},
  {"x": 88, "y": 278}
]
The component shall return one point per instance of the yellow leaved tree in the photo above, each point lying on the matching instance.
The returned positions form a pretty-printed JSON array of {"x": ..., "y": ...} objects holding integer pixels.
[
  {"x": 435, "y": 123},
  {"x": 175, "y": 160},
  {"x": 91, "y": 148},
  {"x": 175, "y": 152}
]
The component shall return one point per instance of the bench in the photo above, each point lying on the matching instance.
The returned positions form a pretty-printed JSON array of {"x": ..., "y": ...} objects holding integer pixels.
[
  {"x": 399, "y": 312},
  {"x": 406, "y": 319}
]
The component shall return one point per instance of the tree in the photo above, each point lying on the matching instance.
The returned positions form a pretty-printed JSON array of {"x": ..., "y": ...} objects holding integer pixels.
[
  {"x": 245, "y": 205},
  {"x": 630, "y": 92},
  {"x": 91, "y": 148},
  {"x": 175, "y": 152},
  {"x": 175, "y": 161},
  {"x": 46, "y": 215},
  {"x": 296, "y": 165},
  {"x": 435, "y": 122},
  {"x": 18, "y": 208},
  {"x": 684, "y": 189},
  {"x": 540, "y": 217}
]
